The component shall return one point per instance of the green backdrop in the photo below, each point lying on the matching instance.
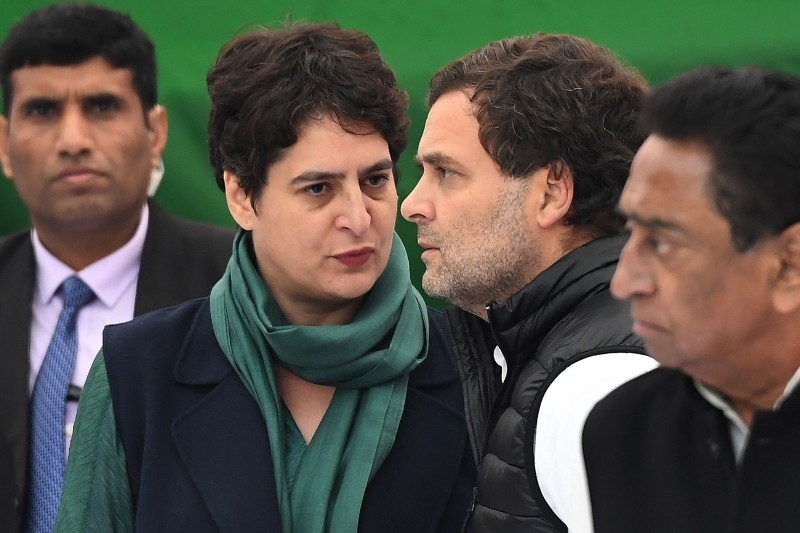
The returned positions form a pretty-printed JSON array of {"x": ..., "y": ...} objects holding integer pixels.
[{"x": 659, "y": 37}]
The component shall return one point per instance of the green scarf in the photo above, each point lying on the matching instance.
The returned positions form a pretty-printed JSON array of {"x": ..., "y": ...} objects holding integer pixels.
[{"x": 367, "y": 360}]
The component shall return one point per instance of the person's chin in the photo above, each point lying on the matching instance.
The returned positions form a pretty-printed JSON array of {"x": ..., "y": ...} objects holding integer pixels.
[
  {"x": 434, "y": 286},
  {"x": 664, "y": 353},
  {"x": 357, "y": 285}
]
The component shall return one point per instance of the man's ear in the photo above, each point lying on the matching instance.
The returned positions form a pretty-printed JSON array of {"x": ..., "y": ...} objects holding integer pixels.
[
  {"x": 556, "y": 187},
  {"x": 5, "y": 161},
  {"x": 157, "y": 124},
  {"x": 238, "y": 202},
  {"x": 787, "y": 280}
]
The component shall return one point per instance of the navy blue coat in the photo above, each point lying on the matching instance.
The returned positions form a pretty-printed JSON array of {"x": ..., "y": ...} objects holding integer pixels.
[{"x": 197, "y": 448}]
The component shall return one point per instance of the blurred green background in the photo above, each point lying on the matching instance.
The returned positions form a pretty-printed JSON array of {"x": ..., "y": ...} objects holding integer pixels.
[{"x": 659, "y": 37}]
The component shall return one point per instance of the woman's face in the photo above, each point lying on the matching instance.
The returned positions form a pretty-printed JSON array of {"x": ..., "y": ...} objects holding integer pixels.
[{"x": 323, "y": 224}]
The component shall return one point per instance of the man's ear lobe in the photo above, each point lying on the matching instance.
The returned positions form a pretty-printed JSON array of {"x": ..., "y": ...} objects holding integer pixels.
[
  {"x": 557, "y": 190},
  {"x": 787, "y": 286}
]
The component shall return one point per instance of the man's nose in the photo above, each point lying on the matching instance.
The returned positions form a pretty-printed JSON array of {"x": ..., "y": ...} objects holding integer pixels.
[
  {"x": 632, "y": 277},
  {"x": 74, "y": 135},
  {"x": 417, "y": 205}
]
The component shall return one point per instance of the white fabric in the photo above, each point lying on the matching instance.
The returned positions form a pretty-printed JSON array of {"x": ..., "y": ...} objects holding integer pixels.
[
  {"x": 113, "y": 280},
  {"x": 500, "y": 360},
  {"x": 739, "y": 431},
  {"x": 558, "y": 451}
]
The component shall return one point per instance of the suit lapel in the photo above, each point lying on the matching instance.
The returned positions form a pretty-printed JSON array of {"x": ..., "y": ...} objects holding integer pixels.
[
  {"x": 157, "y": 281},
  {"x": 18, "y": 271},
  {"x": 181, "y": 260},
  {"x": 222, "y": 440}
]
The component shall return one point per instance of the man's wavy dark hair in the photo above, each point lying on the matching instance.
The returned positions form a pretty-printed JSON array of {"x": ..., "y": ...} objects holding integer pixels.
[{"x": 555, "y": 100}]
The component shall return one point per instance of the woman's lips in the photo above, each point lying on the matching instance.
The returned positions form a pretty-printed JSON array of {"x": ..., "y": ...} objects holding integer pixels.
[{"x": 355, "y": 259}]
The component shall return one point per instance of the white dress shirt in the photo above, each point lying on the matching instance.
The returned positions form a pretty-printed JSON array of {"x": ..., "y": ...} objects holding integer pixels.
[
  {"x": 739, "y": 431},
  {"x": 113, "y": 280}
]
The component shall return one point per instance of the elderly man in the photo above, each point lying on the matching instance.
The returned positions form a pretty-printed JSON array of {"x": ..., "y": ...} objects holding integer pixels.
[{"x": 709, "y": 443}]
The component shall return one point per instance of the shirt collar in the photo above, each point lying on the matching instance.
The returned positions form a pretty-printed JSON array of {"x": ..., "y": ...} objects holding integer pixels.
[
  {"x": 790, "y": 386},
  {"x": 108, "y": 277},
  {"x": 719, "y": 401},
  {"x": 739, "y": 431}
]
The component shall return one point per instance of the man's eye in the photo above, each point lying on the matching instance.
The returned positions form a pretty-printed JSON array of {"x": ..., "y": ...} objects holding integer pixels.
[
  {"x": 659, "y": 246},
  {"x": 103, "y": 106},
  {"x": 445, "y": 173},
  {"x": 41, "y": 109}
]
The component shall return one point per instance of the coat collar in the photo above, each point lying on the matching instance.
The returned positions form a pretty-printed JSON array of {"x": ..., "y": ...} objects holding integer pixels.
[
  {"x": 232, "y": 457},
  {"x": 222, "y": 438},
  {"x": 18, "y": 269}
]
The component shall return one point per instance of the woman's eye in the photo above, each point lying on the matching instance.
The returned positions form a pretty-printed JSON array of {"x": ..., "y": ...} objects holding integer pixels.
[
  {"x": 377, "y": 180},
  {"x": 316, "y": 189}
]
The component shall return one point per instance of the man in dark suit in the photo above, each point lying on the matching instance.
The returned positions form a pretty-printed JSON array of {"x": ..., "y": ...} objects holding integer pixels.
[{"x": 81, "y": 137}]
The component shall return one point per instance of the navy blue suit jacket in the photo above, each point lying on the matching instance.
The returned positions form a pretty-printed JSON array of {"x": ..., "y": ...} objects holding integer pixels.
[{"x": 197, "y": 448}]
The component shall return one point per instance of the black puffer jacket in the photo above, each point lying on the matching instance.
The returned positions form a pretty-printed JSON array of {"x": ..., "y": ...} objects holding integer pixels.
[{"x": 567, "y": 313}]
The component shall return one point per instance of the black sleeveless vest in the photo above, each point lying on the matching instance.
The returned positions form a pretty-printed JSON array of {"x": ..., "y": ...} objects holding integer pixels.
[
  {"x": 566, "y": 314},
  {"x": 659, "y": 459}
]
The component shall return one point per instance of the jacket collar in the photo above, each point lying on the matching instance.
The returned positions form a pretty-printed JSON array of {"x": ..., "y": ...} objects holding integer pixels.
[
  {"x": 532, "y": 312},
  {"x": 232, "y": 456}
]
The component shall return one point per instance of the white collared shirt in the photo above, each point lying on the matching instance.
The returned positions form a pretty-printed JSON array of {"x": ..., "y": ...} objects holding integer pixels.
[
  {"x": 739, "y": 431},
  {"x": 113, "y": 280}
]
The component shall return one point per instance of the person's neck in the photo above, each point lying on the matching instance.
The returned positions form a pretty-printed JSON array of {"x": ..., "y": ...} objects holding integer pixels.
[
  {"x": 765, "y": 395},
  {"x": 307, "y": 402},
  {"x": 315, "y": 313},
  {"x": 78, "y": 248}
]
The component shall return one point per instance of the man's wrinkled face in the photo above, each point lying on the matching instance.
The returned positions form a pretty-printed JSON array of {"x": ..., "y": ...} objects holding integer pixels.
[{"x": 700, "y": 304}]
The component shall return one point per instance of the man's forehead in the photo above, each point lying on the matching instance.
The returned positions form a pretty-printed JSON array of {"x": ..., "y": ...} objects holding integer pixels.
[
  {"x": 453, "y": 105},
  {"x": 89, "y": 77},
  {"x": 449, "y": 125},
  {"x": 668, "y": 184},
  {"x": 679, "y": 169}
]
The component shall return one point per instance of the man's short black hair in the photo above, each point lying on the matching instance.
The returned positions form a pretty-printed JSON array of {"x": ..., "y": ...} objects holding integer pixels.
[
  {"x": 749, "y": 120},
  {"x": 72, "y": 33}
]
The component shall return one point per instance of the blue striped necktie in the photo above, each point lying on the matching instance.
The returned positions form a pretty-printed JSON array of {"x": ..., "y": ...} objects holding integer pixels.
[{"x": 48, "y": 403}]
